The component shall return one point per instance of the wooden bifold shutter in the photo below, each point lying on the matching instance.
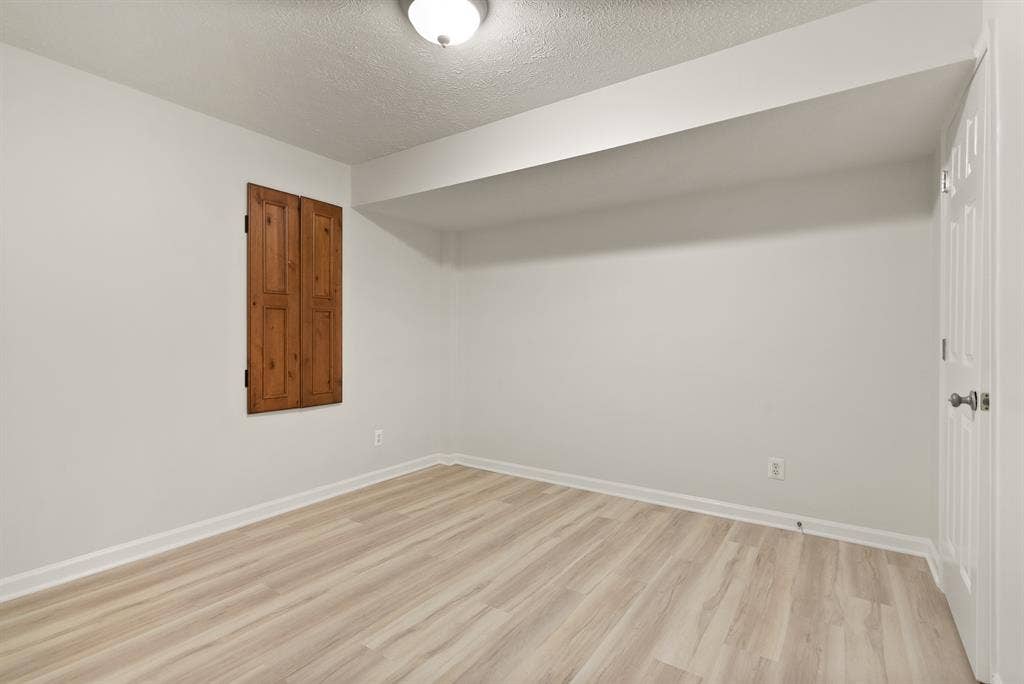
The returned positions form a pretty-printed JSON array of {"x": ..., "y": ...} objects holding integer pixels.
[
  {"x": 294, "y": 300},
  {"x": 320, "y": 334}
]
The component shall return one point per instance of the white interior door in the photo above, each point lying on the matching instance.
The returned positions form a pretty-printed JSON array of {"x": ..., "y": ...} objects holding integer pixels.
[{"x": 965, "y": 464}]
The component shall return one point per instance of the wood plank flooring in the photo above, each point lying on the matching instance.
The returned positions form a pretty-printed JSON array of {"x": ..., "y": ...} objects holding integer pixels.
[{"x": 456, "y": 574}]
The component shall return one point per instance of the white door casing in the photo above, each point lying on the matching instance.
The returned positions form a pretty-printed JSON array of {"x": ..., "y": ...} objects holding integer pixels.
[{"x": 965, "y": 466}]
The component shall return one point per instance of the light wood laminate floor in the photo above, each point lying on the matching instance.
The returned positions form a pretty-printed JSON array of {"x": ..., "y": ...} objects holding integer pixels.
[{"x": 453, "y": 573}]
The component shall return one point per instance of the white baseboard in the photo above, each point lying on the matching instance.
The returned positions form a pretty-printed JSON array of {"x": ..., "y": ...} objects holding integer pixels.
[
  {"x": 881, "y": 539},
  {"x": 104, "y": 559},
  {"x": 97, "y": 561}
]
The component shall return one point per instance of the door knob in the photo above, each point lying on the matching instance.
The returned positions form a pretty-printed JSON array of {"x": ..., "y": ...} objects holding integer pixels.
[{"x": 971, "y": 400}]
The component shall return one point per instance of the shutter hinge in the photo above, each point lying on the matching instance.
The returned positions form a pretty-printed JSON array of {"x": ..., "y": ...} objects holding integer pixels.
[
  {"x": 944, "y": 182},
  {"x": 247, "y": 223},
  {"x": 246, "y": 377}
]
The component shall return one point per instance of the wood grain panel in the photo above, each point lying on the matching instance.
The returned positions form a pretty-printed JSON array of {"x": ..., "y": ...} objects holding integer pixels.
[
  {"x": 275, "y": 248},
  {"x": 322, "y": 261},
  {"x": 321, "y": 303},
  {"x": 275, "y": 347},
  {"x": 323, "y": 327},
  {"x": 273, "y": 298}
]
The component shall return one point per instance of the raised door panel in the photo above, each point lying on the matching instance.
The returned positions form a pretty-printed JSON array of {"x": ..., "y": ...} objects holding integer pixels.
[
  {"x": 273, "y": 295},
  {"x": 965, "y": 474},
  {"x": 321, "y": 303}
]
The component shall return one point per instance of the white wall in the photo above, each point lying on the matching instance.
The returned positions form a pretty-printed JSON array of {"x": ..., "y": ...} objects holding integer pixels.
[
  {"x": 679, "y": 344},
  {"x": 123, "y": 322}
]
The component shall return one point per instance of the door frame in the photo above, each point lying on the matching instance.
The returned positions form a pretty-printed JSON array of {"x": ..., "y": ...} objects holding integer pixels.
[
  {"x": 1004, "y": 33},
  {"x": 985, "y": 615}
]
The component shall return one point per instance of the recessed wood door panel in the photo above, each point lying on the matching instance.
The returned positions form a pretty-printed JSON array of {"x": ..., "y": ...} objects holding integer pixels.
[
  {"x": 321, "y": 303},
  {"x": 274, "y": 292}
]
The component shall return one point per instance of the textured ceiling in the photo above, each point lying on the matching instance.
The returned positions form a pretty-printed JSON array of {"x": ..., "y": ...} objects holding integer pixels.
[{"x": 352, "y": 80}]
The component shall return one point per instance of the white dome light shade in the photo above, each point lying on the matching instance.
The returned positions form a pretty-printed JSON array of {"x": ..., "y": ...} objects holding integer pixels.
[{"x": 445, "y": 22}]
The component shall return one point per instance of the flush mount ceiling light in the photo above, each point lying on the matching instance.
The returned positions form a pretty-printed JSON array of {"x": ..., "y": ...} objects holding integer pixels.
[{"x": 446, "y": 22}]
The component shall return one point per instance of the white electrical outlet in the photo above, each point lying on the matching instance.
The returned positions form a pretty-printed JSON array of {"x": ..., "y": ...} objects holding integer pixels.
[
  {"x": 777, "y": 468},
  {"x": 378, "y": 437}
]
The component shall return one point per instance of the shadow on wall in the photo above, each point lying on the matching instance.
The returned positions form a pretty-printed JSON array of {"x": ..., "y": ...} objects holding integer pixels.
[
  {"x": 423, "y": 239},
  {"x": 828, "y": 202}
]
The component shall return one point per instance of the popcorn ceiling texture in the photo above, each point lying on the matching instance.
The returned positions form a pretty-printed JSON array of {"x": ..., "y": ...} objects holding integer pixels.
[{"x": 352, "y": 80}]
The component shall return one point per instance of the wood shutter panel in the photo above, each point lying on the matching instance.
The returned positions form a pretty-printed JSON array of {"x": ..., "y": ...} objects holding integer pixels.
[
  {"x": 320, "y": 337},
  {"x": 274, "y": 299}
]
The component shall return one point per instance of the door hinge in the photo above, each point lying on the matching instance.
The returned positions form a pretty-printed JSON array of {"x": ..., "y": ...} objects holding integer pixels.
[
  {"x": 945, "y": 346},
  {"x": 944, "y": 182},
  {"x": 247, "y": 223},
  {"x": 246, "y": 377}
]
